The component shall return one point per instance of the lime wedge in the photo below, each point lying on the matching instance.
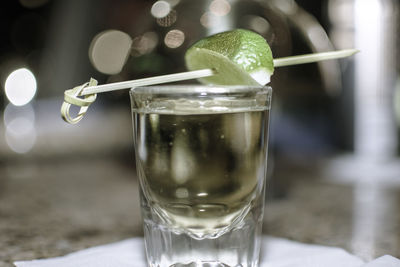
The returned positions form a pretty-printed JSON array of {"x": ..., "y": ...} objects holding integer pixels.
[{"x": 239, "y": 57}]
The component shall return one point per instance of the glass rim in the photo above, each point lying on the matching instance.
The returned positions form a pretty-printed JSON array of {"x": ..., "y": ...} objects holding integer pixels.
[{"x": 190, "y": 89}]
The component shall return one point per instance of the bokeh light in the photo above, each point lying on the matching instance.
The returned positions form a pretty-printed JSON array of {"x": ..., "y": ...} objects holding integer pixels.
[
  {"x": 259, "y": 24},
  {"x": 220, "y": 7},
  {"x": 144, "y": 44},
  {"x": 20, "y": 128},
  {"x": 208, "y": 20},
  {"x": 168, "y": 20},
  {"x": 109, "y": 51},
  {"x": 12, "y": 112},
  {"x": 174, "y": 38},
  {"x": 160, "y": 9},
  {"x": 20, "y": 87}
]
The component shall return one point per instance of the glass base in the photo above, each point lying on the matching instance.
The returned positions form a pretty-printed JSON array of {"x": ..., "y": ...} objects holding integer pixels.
[
  {"x": 201, "y": 264},
  {"x": 238, "y": 247}
]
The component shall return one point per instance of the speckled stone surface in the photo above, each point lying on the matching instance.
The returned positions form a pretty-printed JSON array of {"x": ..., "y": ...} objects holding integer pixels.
[{"x": 51, "y": 208}]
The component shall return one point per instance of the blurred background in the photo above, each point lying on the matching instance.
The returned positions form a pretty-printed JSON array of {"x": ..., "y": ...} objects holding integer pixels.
[{"x": 334, "y": 135}]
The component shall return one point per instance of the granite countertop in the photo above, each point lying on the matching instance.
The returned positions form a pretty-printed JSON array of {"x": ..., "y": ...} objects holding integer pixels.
[{"x": 51, "y": 208}]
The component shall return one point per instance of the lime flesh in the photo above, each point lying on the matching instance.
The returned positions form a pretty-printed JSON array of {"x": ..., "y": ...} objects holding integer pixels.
[{"x": 239, "y": 57}]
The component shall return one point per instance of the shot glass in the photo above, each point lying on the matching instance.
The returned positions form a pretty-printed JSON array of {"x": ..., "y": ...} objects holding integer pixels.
[{"x": 201, "y": 159}]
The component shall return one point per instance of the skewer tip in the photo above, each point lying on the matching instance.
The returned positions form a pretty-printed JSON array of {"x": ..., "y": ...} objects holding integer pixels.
[{"x": 353, "y": 51}]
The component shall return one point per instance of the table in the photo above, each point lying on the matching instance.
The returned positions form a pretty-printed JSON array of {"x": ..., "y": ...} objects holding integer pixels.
[{"x": 56, "y": 206}]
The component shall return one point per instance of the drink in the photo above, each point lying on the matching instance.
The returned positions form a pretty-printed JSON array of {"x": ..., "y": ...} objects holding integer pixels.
[
  {"x": 201, "y": 162},
  {"x": 202, "y": 170},
  {"x": 201, "y": 150}
]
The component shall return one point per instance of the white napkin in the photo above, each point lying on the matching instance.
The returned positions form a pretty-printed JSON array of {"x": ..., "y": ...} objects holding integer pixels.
[{"x": 276, "y": 252}]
